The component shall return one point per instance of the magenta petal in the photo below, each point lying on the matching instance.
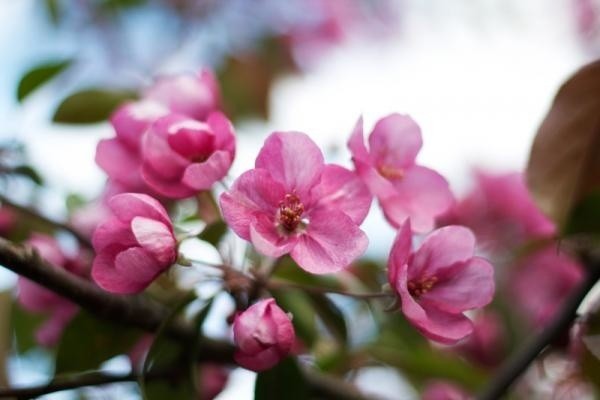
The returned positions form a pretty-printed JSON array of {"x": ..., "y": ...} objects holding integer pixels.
[
  {"x": 156, "y": 238},
  {"x": 118, "y": 161},
  {"x": 138, "y": 266},
  {"x": 293, "y": 159},
  {"x": 108, "y": 278},
  {"x": 331, "y": 242},
  {"x": 422, "y": 194},
  {"x": 156, "y": 151},
  {"x": 258, "y": 362},
  {"x": 132, "y": 119},
  {"x": 111, "y": 232},
  {"x": 470, "y": 285},
  {"x": 127, "y": 206},
  {"x": 254, "y": 191},
  {"x": 265, "y": 236},
  {"x": 441, "y": 249},
  {"x": 223, "y": 131},
  {"x": 194, "y": 139},
  {"x": 170, "y": 188},
  {"x": 49, "y": 333},
  {"x": 400, "y": 253},
  {"x": 356, "y": 143},
  {"x": 395, "y": 141},
  {"x": 201, "y": 176},
  {"x": 340, "y": 189}
]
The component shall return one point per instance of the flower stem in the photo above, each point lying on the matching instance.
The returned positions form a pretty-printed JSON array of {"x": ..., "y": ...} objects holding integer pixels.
[{"x": 277, "y": 285}]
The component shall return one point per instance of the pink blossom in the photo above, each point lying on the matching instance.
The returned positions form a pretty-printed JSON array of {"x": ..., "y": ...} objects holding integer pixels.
[
  {"x": 403, "y": 188},
  {"x": 263, "y": 335},
  {"x": 485, "y": 345},
  {"x": 441, "y": 390},
  {"x": 37, "y": 299},
  {"x": 7, "y": 221},
  {"x": 501, "y": 212},
  {"x": 292, "y": 202},
  {"x": 134, "y": 246},
  {"x": 213, "y": 378},
  {"x": 541, "y": 281},
  {"x": 182, "y": 156},
  {"x": 193, "y": 95},
  {"x": 440, "y": 281}
]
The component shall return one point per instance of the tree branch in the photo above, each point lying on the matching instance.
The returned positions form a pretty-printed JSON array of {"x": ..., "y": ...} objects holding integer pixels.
[
  {"x": 33, "y": 214},
  {"x": 519, "y": 361},
  {"x": 138, "y": 312}
]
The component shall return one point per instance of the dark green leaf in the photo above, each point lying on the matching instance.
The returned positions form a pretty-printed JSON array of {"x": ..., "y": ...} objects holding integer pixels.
[
  {"x": 90, "y": 105},
  {"x": 54, "y": 11},
  {"x": 585, "y": 217},
  {"x": 214, "y": 232},
  {"x": 39, "y": 75},
  {"x": 24, "y": 325},
  {"x": 28, "y": 172},
  {"x": 87, "y": 342},
  {"x": 331, "y": 315},
  {"x": 284, "y": 381}
]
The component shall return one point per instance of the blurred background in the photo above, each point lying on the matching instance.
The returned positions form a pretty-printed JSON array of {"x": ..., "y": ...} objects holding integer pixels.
[{"x": 478, "y": 76}]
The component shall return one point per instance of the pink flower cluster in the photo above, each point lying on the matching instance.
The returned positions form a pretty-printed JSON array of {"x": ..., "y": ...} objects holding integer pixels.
[{"x": 173, "y": 143}]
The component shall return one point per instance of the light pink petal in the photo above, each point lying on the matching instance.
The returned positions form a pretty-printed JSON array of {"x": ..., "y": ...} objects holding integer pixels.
[
  {"x": 254, "y": 191},
  {"x": 50, "y": 332},
  {"x": 48, "y": 248},
  {"x": 395, "y": 142},
  {"x": 169, "y": 188},
  {"x": 223, "y": 131},
  {"x": 356, "y": 144},
  {"x": 377, "y": 184},
  {"x": 138, "y": 266},
  {"x": 293, "y": 159},
  {"x": 434, "y": 324},
  {"x": 132, "y": 119},
  {"x": 400, "y": 253},
  {"x": 108, "y": 278},
  {"x": 156, "y": 151},
  {"x": 111, "y": 232},
  {"x": 201, "y": 176},
  {"x": 35, "y": 298},
  {"x": 441, "y": 249},
  {"x": 156, "y": 238},
  {"x": 469, "y": 285},
  {"x": 119, "y": 162},
  {"x": 421, "y": 195},
  {"x": 267, "y": 239},
  {"x": 127, "y": 206},
  {"x": 331, "y": 242},
  {"x": 341, "y": 189}
]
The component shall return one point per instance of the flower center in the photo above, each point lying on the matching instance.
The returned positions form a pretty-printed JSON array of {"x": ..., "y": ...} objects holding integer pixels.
[
  {"x": 417, "y": 288},
  {"x": 290, "y": 212},
  {"x": 390, "y": 172}
]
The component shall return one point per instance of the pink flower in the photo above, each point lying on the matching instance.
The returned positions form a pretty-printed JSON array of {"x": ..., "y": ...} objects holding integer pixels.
[
  {"x": 7, "y": 221},
  {"x": 38, "y": 299},
  {"x": 213, "y": 378},
  {"x": 120, "y": 156},
  {"x": 292, "y": 202},
  {"x": 440, "y": 390},
  {"x": 263, "y": 335},
  {"x": 501, "y": 212},
  {"x": 485, "y": 345},
  {"x": 541, "y": 282},
  {"x": 440, "y": 281},
  {"x": 193, "y": 95},
  {"x": 134, "y": 246},
  {"x": 182, "y": 156},
  {"x": 403, "y": 188}
]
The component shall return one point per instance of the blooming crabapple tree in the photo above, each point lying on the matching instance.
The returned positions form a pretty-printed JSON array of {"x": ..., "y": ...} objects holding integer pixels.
[{"x": 308, "y": 309}]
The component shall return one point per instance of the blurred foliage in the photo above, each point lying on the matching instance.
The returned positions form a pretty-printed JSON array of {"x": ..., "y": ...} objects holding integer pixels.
[
  {"x": 23, "y": 325},
  {"x": 284, "y": 381},
  {"x": 40, "y": 75},
  {"x": 91, "y": 105},
  {"x": 585, "y": 216}
]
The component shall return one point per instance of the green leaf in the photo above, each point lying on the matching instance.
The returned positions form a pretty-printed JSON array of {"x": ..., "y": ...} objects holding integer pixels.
[
  {"x": 288, "y": 270},
  {"x": 213, "y": 233},
  {"x": 300, "y": 305},
  {"x": 585, "y": 217},
  {"x": 284, "y": 381},
  {"x": 331, "y": 315},
  {"x": 87, "y": 342},
  {"x": 90, "y": 105},
  {"x": 5, "y": 333},
  {"x": 75, "y": 201},
  {"x": 28, "y": 172},
  {"x": 38, "y": 76},
  {"x": 54, "y": 10},
  {"x": 24, "y": 325}
]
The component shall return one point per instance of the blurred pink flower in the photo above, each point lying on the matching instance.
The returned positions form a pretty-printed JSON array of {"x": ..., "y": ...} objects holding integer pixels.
[
  {"x": 133, "y": 247},
  {"x": 7, "y": 220},
  {"x": 213, "y": 378},
  {"x": 440, "y": 281},
  {"x": 403, "y": 188},
  {"x": 193, "y": 95},
  {"x": 541, "y": 281},
  {"x": 263, "y": 335},
  {"x": 182, "y": 156},
  {"x": 440, "y": 390},
  {"x": 485, "y": 345},
  {"x": 501, "y": 212},
  {"x": 38, "y": 299},
  {"x": 292, "y": 202}
]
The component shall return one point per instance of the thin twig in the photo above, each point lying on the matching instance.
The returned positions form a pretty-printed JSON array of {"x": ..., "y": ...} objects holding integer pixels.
[
  {"x": 35, "y": 215},
  {"x": 279, "y": 284},
  {"x": 519, "y": 361}
]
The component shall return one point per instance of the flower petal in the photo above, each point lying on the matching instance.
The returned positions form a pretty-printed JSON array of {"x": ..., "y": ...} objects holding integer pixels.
[
  {"x": 138, "y": 267},
  {"x": 156, "y": 238},
  {"x": 267, "y": 239},
  {"x": 223, "y": 131},
  {"x": 356, "y": 143},
  {"x": 111, "y": 232},
  {"x": 260, "y": 361},
  {"x": 400, "y": 253},
  {"x": 331, "y": 242},
  {"x": 293, "y": 159},
  {"x": 201, "y": 176},
  {"x": 132, "y": 119},
  {"x": 340, "y": 189},
  {"x": 170, "y": 188},
  {"x": 395, "y": 141},
  {"x": 254, "y": 191},
  {"x": 127, "y": 206},
  {"x": 469, "y": 285},
  {"x": 119, "y": 162},
  {"x": 108, "y": 278},
  {"x": 156, "y": 151}
]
